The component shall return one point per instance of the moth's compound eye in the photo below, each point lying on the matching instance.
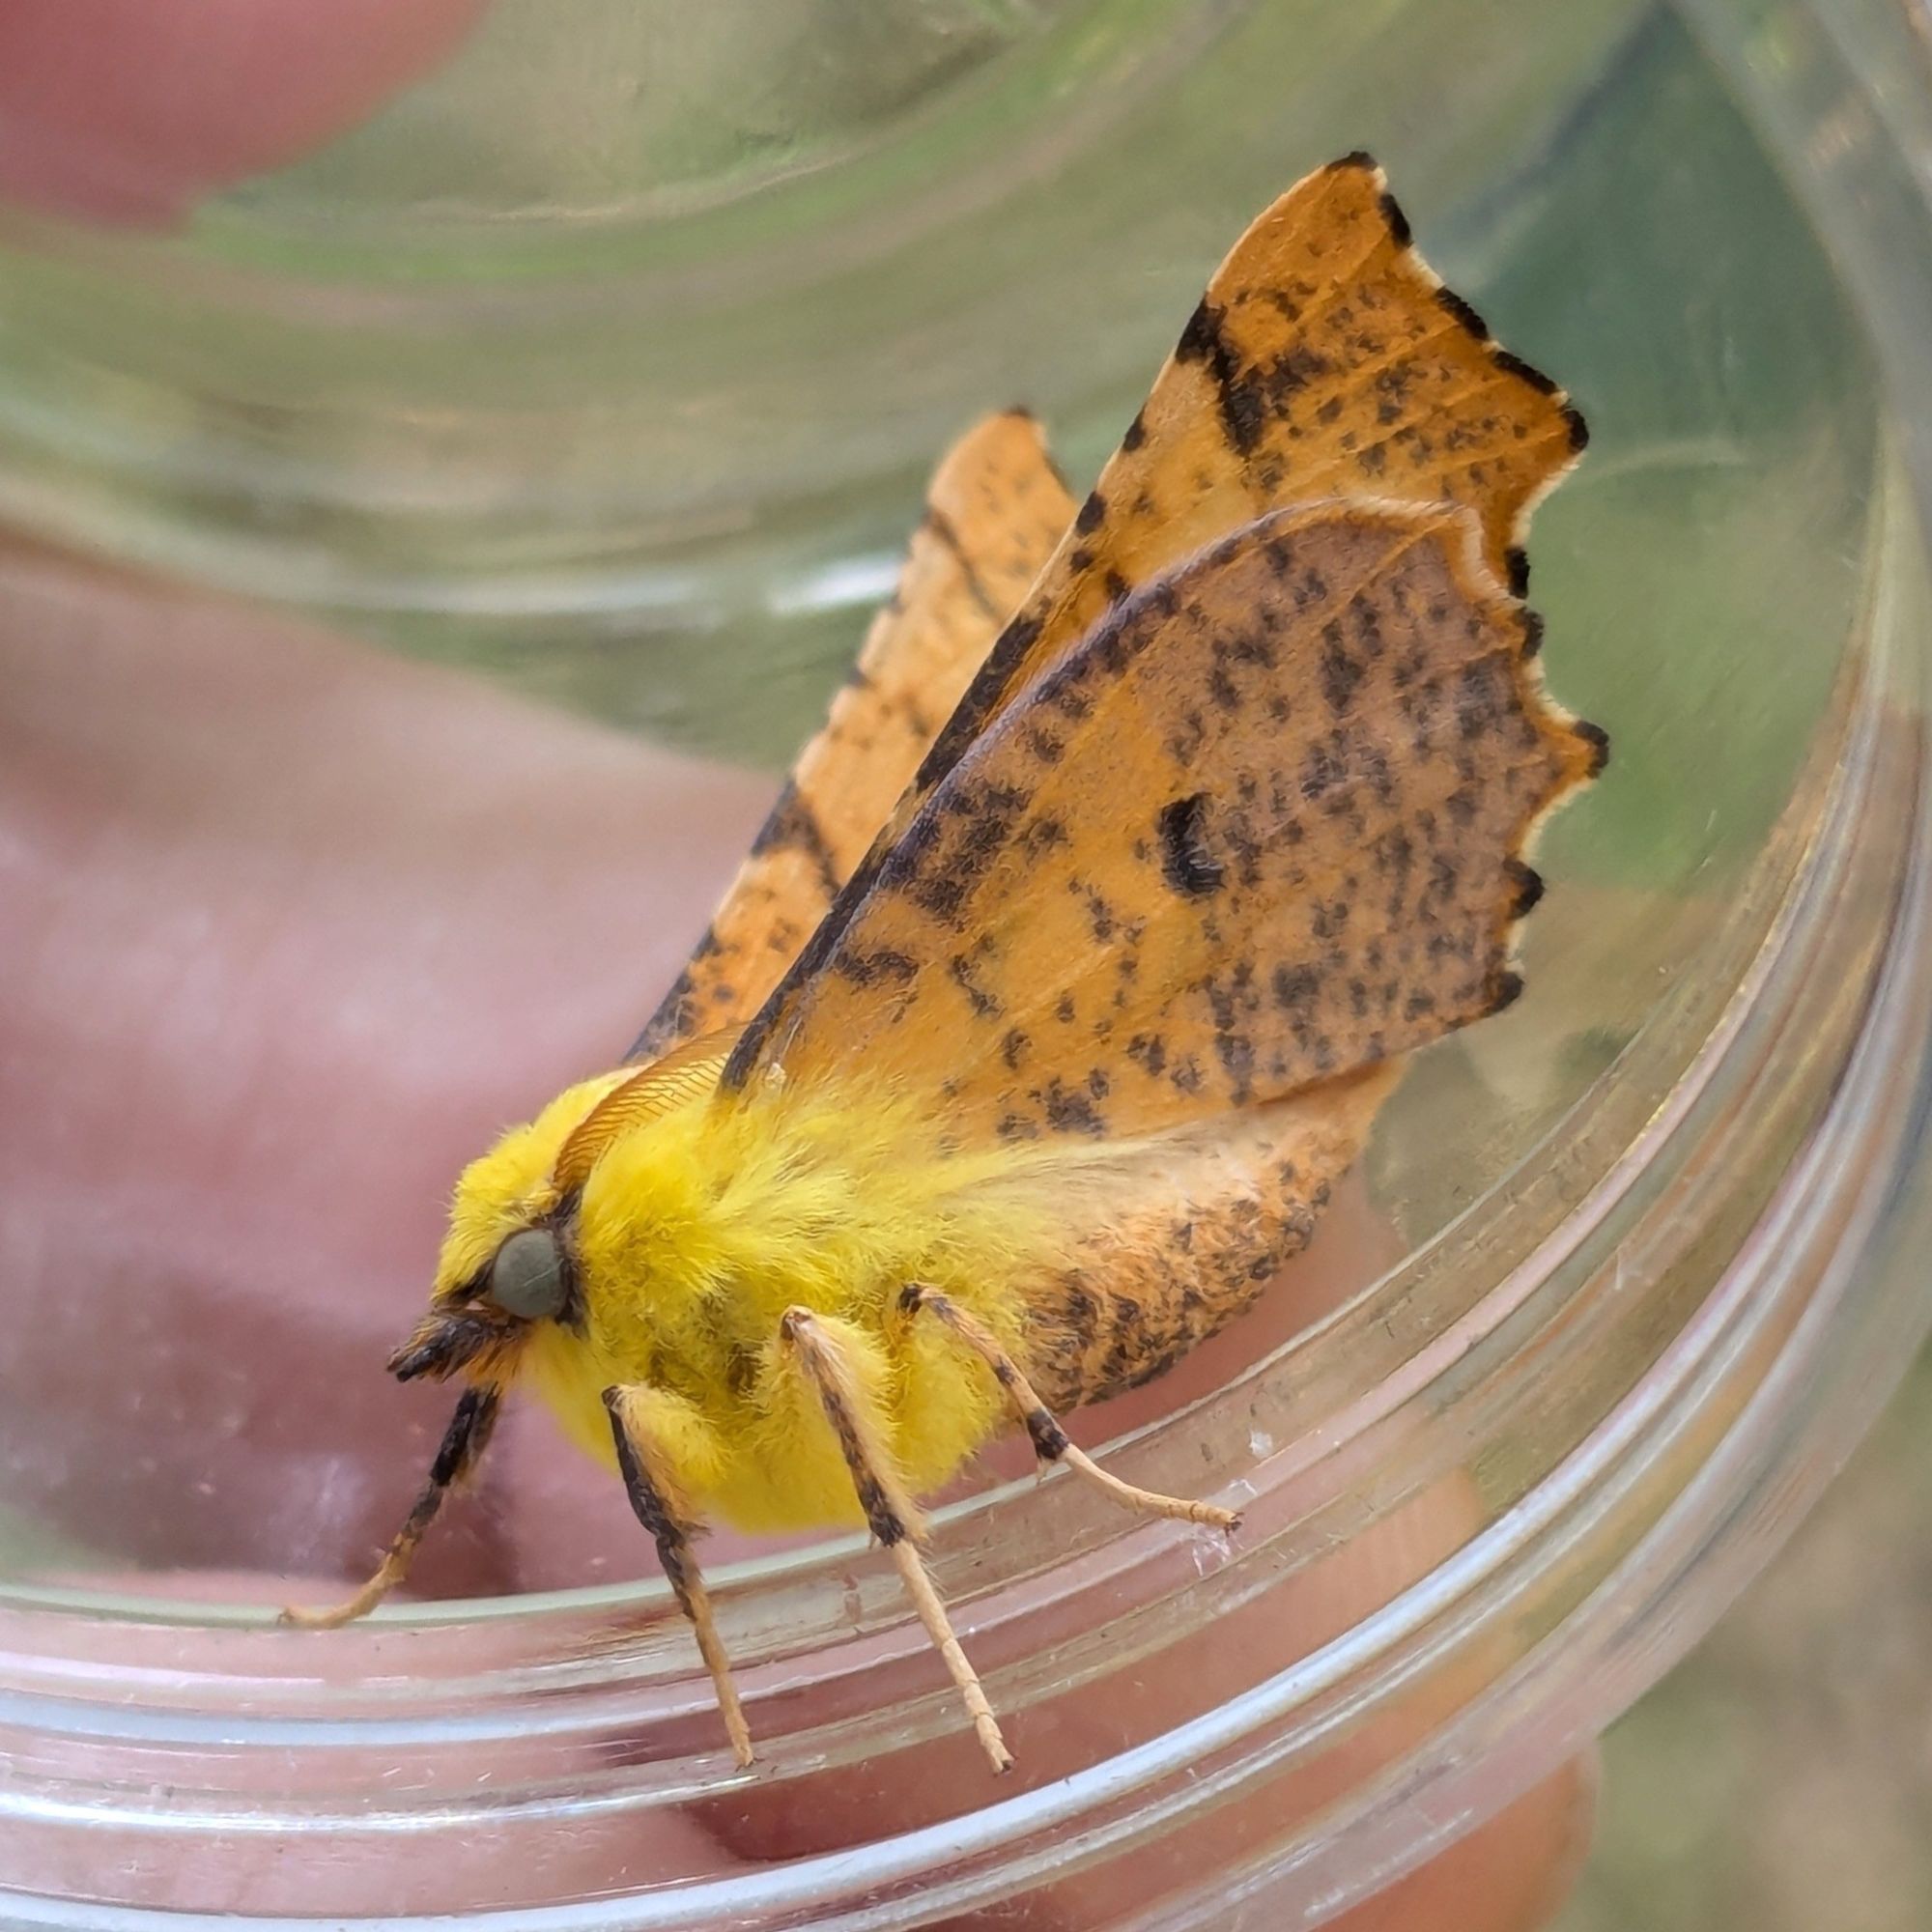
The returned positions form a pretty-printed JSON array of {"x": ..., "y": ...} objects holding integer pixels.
[{"x": 526, "y": 1277}]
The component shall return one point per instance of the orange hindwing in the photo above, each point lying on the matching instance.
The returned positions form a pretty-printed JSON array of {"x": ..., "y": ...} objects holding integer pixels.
[{"x": 994, "y": 509}]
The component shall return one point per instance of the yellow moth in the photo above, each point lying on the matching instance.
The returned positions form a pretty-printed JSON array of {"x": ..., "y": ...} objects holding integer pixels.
[{"x": 1080, "y": 950}]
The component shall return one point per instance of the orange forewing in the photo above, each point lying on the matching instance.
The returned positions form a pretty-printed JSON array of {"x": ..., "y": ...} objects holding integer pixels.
[
  {"x": 1325, "y": 359},
  {"x": 1263, "y": 828}
]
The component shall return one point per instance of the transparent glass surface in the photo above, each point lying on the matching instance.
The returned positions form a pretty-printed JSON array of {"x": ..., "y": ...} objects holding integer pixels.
[{"x": 612, "y": 396}]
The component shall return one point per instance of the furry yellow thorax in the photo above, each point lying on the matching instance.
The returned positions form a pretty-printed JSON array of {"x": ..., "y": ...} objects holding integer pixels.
[{"x": 697, "y": 1231}]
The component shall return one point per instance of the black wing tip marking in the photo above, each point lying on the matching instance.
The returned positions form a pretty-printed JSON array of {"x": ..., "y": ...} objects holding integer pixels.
[
  {"x": 1242, "y": 399},
  {"x": 1599, "y": 741},
  {"x": 1466, "y": 317},
  {"x": 1398, "y": 229},
  {"x": 1202, "y": 335},
  {"x": 1527, "y": 887},
  {"x": 1470, "y": 319},
  {"x": 946, "y": 532},
  {"x": 1514, "y": 365}
]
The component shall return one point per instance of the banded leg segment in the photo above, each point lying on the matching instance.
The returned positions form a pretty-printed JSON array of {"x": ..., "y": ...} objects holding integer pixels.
[
  {"x": 660, "y": 1505},
  {"x": 893, "y": 1516},
  {"x": 463, "y": 1442},
  {"x": 1049, "y": 1440}
]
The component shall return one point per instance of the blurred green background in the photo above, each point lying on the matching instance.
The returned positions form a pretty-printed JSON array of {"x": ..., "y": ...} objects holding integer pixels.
[{"x": 1781, "y": 1777}]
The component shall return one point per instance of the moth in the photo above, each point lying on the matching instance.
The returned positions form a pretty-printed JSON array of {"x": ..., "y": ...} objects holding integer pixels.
[{"x": 1080, "y": 950}]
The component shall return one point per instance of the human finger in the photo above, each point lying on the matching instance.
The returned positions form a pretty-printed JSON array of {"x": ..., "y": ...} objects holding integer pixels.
[
  {"x": 127, "y": 111},
  {"x": 293, "y": 928}
]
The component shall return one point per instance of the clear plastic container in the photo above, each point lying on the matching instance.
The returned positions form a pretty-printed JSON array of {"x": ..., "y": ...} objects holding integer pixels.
[{"x": 1649, "y": 1244}]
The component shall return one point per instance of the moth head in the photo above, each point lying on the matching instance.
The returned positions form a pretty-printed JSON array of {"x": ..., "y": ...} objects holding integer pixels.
[
  {"x": 507, "y": 1261},
  {"x": 479, "y": 1324}
]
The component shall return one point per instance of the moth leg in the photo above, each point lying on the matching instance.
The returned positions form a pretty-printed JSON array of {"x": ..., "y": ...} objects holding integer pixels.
[
  {"x": 894, "y": 1519},
  {"x": 659, "y": 1504},
  {"x": 1049, "y": 1439},
  {"x": 463, "y": 1442}
]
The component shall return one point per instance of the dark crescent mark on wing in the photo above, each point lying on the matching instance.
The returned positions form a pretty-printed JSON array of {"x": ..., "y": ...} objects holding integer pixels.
[{"x": 1186, "y": 863}]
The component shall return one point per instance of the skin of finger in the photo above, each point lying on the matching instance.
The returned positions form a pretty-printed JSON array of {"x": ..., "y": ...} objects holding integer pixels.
[
  {"x": 1511, "y": 1874},
  {"x": 125, "y": 111},
  {"x": 1145, "y": 1693},
  {"x": 365, "y": 1866},
  {"x": 292, "y": 929}
]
